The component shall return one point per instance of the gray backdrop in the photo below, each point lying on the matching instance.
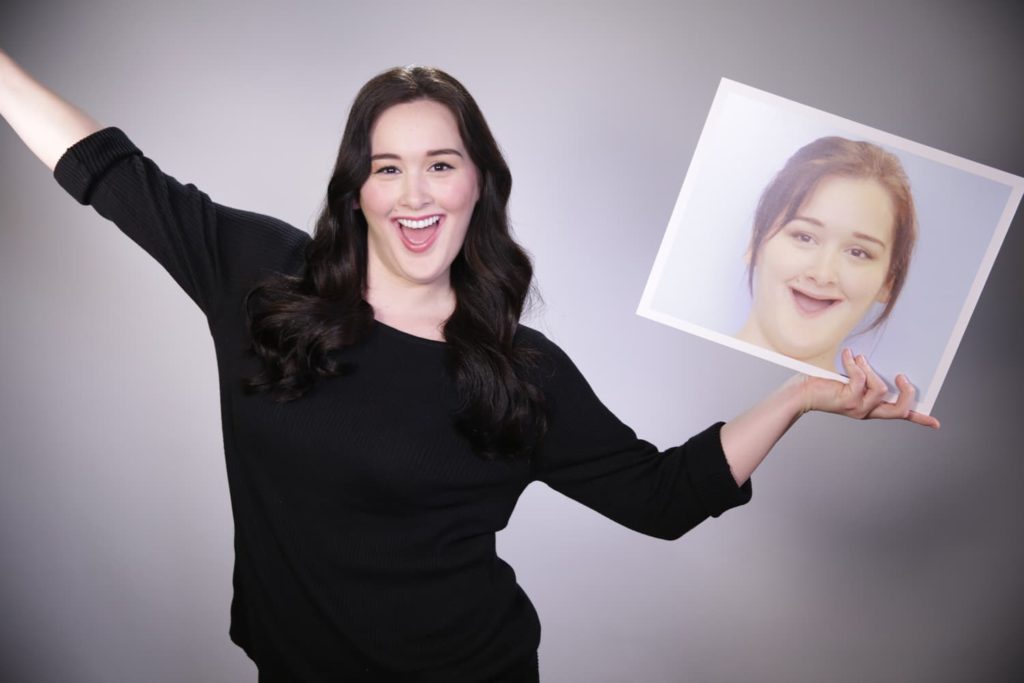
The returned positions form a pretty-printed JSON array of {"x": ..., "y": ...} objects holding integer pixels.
[{"x": 872, "y": 551}]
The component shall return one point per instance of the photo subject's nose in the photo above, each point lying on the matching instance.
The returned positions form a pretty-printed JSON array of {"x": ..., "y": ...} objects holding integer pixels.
[{"x": 822, "y": 269}]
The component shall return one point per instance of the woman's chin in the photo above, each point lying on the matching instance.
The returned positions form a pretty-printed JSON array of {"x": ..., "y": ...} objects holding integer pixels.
[{"x": 824, "y": 358}]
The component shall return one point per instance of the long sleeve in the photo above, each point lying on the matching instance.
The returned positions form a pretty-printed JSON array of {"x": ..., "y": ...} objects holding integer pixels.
[
  {"x": 592, "y": 457},
  {"x": 210, "y": 250}
]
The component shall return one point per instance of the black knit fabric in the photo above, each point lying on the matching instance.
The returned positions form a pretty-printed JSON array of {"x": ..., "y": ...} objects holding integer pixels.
[{"x": 364, "y": 524}]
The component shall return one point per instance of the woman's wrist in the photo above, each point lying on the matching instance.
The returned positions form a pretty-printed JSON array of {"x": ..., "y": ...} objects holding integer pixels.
[{"x": 796, "y": 396}]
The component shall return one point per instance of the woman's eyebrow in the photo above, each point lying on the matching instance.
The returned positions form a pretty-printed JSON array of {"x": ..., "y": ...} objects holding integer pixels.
[
  {"x": 859, "y": 235},
  {"x": 808, "y": 219},
  {"x": 442, "y": 152},
  {"x": 430, "y": 153},
  {"x": 869, "y": 238}
]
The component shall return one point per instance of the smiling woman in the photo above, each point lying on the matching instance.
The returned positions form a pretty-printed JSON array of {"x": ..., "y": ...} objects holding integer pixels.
[
  {"x": 833, "y": 235},
  {"x": 418, "y": 201},
  {"x": 414, "y": 234},
  {"x": 384, "y": 409}
]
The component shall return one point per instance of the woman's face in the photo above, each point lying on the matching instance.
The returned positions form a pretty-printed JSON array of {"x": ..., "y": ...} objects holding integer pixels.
[
  {"x": 419, "y": 196},
  {"x": 818, "y": 275}
]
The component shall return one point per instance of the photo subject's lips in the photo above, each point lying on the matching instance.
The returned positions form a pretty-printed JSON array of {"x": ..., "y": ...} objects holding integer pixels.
[
  {"x": 420, "y": 232},
  {"x": 810, "y": 305}
]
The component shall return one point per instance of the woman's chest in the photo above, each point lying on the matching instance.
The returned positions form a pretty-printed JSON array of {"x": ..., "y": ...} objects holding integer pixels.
[{"x": 380, "y": 438}]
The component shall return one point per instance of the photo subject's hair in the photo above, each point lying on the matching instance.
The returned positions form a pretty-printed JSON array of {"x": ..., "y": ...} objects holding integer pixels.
[
  {"x": 836, "y": 156},
  {"x": 297, "y": 322}
]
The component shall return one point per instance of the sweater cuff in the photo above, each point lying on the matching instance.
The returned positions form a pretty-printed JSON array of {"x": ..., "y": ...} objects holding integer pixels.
[
  {"x": 711, "y": 476},
  {"x": 85, "y": 162}
]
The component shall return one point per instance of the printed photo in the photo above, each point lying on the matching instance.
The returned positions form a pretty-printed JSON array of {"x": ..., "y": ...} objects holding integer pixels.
[{"x": 798, "y": 233}]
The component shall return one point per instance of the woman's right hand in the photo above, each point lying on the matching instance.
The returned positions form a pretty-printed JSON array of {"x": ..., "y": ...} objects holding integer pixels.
[{"x": 47, "y": 124}]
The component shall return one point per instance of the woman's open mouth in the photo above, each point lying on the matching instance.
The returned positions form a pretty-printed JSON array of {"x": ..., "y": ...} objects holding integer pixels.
[
  {"x": 811, "y": 305},
  {"x": 419, "y": 233}
]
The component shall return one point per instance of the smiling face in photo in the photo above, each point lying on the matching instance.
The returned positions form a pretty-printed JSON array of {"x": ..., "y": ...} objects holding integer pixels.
[
  {"x": 818, "y": 275},
  {"x": 418, "y": 198}
]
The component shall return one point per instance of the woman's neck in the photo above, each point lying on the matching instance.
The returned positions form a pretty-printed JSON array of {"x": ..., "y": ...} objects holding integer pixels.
[{"x": 419, "y": 310}]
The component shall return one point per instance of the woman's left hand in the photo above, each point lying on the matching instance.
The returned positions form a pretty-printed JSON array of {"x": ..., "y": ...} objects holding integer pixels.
[
  {"x": 864, "y": 396},
  {"x": 747, "y": 438}
]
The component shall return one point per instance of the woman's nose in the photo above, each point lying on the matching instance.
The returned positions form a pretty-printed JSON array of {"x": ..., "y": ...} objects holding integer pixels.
[
  {"x": 415, "y": 193},
  {"x": 822, "y": 268}
]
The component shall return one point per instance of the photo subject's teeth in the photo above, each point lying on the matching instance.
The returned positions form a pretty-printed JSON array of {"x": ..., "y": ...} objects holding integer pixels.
[
  {"x": 417, "y": 225},
  {"x": 811, "y": 304}
]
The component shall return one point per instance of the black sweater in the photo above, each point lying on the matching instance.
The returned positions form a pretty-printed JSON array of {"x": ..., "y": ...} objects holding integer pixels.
[{"x": 364, "y": 524}]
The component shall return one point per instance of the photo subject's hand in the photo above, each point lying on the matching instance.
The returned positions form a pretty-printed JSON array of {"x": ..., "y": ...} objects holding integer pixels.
[{"x": 864, "y": 396}]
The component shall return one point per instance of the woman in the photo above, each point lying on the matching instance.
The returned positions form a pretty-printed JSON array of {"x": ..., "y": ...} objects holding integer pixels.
[
  {"x": 383, "y": 408},
  {"x": 833, "y": 235}
]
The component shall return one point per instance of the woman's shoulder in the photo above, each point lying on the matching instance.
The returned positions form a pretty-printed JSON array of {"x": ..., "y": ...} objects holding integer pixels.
[
  {"x": 531, "y": 338},
  {"x": 263, "y": 242},
  {"x": 549, "y": 363}
]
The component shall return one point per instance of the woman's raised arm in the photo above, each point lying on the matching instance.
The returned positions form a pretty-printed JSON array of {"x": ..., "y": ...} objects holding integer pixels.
[{"x": 46, "y": 124}]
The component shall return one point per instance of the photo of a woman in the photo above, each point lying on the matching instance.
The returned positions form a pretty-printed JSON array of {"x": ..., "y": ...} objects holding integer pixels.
[
  {"x": 797, "y": 232},
  {"x": 832, "y": 238}
]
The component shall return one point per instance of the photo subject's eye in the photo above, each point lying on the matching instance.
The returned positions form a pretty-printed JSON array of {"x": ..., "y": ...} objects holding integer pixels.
[
  {"x": 441, "y": 166},
  {"x": 386, "y": 170},
  {"x": 859, "y": 253}
]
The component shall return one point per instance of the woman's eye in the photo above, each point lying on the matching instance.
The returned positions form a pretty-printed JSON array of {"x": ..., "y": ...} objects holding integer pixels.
[
  {"x": 803, "y": 238},
  {"x": 441, "y": 166},
  {"x": 387, "y": 170},
  {"x": 859, "y": 253}
]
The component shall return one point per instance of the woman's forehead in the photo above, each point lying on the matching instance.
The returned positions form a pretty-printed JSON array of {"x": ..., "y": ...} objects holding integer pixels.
[
  {"x": 847, "y": 205},
  {"x": 415, "y": 127}
]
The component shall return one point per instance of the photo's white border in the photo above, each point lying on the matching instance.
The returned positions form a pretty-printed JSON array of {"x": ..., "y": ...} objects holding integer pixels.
[{"x": 929, "y": 394}]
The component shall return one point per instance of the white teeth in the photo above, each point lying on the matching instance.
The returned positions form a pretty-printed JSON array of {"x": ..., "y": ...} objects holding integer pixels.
[{"x": 417, "y": 225}]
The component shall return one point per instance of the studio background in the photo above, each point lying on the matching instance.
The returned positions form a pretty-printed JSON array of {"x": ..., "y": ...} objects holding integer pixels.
[{"x": 872, "y": 551}]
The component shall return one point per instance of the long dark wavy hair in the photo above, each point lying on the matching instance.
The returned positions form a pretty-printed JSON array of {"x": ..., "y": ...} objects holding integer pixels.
[{"x": 297, "y": 323}]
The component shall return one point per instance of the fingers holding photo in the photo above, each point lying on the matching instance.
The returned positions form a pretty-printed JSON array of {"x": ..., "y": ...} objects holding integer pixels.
[{"x": 863, "y": 396}]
